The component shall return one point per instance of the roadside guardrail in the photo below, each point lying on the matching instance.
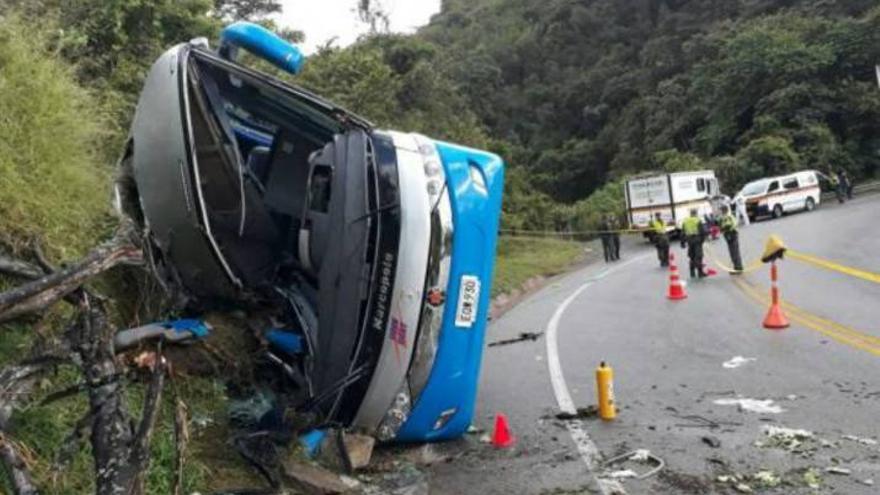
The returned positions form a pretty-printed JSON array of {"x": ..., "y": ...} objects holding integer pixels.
[{"x": 866, "y": 187}]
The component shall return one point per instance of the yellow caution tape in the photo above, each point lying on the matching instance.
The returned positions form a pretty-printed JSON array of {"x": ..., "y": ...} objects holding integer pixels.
[
  {"x": 830, "y": 265},
  {"x": 556, "y": 233},
  {"x": 754, "y": 265}
]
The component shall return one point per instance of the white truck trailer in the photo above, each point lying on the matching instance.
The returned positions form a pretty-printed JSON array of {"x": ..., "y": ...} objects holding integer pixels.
[{"x": 672, "y": 195}]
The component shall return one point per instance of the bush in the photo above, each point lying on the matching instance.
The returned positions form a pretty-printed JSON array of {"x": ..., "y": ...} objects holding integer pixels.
[{"x": 53, "y": 185}]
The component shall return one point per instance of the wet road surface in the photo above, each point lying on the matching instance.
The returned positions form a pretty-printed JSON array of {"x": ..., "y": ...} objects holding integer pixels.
[{"x": 707, "y": 421}]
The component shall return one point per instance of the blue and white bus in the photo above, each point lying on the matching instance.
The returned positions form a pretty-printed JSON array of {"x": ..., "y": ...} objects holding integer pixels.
[{"x": 372, "y": 249}]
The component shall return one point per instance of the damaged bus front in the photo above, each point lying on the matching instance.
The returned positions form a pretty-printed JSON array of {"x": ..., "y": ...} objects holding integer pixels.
[{"x": 373, "y": 249}]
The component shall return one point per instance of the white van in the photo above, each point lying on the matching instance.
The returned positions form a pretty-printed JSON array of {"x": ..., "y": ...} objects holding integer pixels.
[
  {"x": 775, "y": 196},
  {"x": 672, "y": 195}
]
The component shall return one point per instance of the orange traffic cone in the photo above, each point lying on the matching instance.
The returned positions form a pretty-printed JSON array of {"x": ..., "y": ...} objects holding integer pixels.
[
  {"x": 501, "y": 437},
  {"x": 775, "y": 319},
  {"x": 676, "y": 289}
]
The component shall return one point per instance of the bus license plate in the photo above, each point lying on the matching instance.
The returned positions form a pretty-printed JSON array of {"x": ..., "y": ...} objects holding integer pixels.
[{"x": 468, "y": 301}]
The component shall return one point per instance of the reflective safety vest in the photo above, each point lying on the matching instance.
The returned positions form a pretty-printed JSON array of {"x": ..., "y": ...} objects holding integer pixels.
[
  {"x": 691, "y": 226},
  {"x": 657, "y": 226},
  {"x": 728, "y": 223}
]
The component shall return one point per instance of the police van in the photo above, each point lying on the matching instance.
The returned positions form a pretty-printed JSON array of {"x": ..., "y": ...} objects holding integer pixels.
[{"x": 775, "y": 196}]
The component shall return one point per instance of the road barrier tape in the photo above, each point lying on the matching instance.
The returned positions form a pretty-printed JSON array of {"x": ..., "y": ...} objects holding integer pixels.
[
  {"x": 752, "y": 266},
  {"x": 830, "y": 265},
  {"x": 840, "y": 333},
  {"x": 556, "y": 233}
]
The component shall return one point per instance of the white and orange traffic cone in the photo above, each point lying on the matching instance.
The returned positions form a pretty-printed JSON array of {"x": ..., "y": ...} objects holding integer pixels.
[
  {"x": 676, "y": 287},
  {"x": 775, "y": 319}
]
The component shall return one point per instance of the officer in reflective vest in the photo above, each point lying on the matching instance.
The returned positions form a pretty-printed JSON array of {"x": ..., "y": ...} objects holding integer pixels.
[
  {"x": 693, "y": 232},
  {"x": 728, "y": 228},
  {"x": 661, "y": 240}
]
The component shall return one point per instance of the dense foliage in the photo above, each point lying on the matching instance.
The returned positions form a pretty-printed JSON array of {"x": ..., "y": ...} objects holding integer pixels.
[
  {"x": 53, "y": 186},
  {"x": 590, "y": 92},
  {"x": 576, "y": 95}
]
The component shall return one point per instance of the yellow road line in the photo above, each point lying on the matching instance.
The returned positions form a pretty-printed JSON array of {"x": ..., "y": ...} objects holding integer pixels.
[
  {"x": 817, "y": 320},
  {"x": 837, "y": 267},
  {"x": 840, "y": 333}
]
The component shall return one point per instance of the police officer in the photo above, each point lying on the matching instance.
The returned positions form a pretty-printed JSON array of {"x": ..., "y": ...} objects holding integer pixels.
[
  {"x": 605, "y": 236},
  {"x": 614, "y": 228},
  {"x": 728, "y": 228},
  {"x": 693, "y": 233},
  {"x": 661, "y": 240}
]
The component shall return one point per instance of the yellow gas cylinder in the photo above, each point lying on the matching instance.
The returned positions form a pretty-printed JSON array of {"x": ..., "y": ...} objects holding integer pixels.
[{"x": 605, "y": 391}]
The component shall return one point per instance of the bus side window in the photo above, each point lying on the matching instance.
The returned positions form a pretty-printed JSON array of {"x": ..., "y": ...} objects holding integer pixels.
[
  {"x": 791, "y": 183},
  {"x": 774, "y": 186},
  {"x": 701, "y": 185}
]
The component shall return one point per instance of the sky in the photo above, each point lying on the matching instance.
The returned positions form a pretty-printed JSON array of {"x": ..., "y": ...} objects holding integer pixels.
[{"x": 322, "y": 20}]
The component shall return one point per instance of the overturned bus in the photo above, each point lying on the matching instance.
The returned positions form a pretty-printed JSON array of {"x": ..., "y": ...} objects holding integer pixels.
[{"x": 375, "y": 248}]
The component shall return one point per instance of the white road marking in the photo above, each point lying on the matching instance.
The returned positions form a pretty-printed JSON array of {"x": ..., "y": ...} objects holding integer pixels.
[{"x": 585, "y": 446}]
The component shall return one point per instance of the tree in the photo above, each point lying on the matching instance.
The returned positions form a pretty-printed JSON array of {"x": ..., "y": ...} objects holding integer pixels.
[
  {"x": 772, "y": 155},
  {"x": 248, "y": 10}
]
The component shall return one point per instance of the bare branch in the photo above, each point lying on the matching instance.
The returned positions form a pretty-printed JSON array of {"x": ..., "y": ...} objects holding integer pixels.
[
  {"x": 42, "y": 260},
  {"x": 38, "y": 294},
  {"x": 181, "y": 437},
  {"x": 140, "y": 451},
  {"x": 19, "y": 268},
  {"x": 112, "y": 434},
  {"x": 16, "y": 383}
]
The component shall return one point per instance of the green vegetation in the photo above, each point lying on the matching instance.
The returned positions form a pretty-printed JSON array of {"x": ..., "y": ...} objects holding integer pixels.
[
  {"x": 54, "y": 184},
  {"x": 522, "y": 258},
  {"x": 584, "y": 93},
  {"x": 576, "y": 96}
]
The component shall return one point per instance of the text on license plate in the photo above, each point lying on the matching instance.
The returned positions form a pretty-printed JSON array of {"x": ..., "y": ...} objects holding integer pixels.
[{"x": 468, "y": 301}]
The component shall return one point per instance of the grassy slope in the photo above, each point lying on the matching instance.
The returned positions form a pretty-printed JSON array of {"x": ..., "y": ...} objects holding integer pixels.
[{"x": 521, "y": 258}]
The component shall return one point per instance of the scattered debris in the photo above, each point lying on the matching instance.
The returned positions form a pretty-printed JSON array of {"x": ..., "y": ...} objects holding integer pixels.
[
  {"x": 791, "y": 397},
  {"x": 867, "y": 482},
  {"x": 682, "y": 483},
  {"x": 358, "y": 449},
  {"x": 473, "y": 430},
  {"x": 759, "y": 406},
  {"x": 861, "y": 440},
  {"x": 838, "y": 470},
  {"x": 784, "y": 438},
  {"x": 742, "y": 488},
  {"x": 642, "y": 456},
  {"x": 737, "y": 361},
  {"x": 312, "y": 479},
  {"x": 523, "y": 336},
  {"x": 711, "y": 441},
  {"x": 246, "y": 413},
  {"x": 623, "y": 473},
  {"x": 703, "y": 422},
  {"x": 588, "y": 412},
  {"x": 812, "y": 478},
  {"x": 767, "y": 478}
]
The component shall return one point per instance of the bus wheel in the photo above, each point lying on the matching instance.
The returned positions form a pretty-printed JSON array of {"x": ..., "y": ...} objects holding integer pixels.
[
  {"x": 811, "y": 204},
  {"x": 777, "y": 211}
]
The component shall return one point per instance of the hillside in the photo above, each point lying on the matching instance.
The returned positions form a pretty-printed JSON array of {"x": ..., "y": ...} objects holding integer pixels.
[{"x": 584, "y": 92}]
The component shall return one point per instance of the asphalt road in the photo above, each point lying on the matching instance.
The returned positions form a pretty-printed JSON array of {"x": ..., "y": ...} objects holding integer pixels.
[{"x": 675, "y": 395}]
